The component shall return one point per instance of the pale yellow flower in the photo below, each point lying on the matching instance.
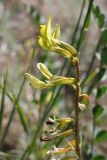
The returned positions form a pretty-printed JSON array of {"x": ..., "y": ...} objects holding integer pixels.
[
  {"x": 52, "y": 80},
  {"x": 49, "y": 41}
]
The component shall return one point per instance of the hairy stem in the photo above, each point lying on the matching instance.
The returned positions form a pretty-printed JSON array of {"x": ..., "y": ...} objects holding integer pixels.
[{"x": 77, "y": 138}]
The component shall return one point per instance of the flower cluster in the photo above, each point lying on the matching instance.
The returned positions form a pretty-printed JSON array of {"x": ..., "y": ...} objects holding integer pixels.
[
  {"x": 57, "y": 127},
  {"x": 49, "y": 42},
  {"x": 51, "y": 80},
  {"x": 56, "y": 130}
]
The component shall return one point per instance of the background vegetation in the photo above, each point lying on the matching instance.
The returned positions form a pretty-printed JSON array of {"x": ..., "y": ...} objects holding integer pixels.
[{"x": 24, "y": 111}]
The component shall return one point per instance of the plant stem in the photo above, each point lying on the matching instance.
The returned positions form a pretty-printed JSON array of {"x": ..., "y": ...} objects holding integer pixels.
[
  {"x": 94, "y": 124},
  {"x": 78, "y": 22},
  {"x": 93, "y": 132},
  {"x": 77, "y": 139},
  {"x": 2, "y": 105},
  {"x": 91, "y": 62},
  {"x": 53, "y": 99},
  {"x": 84, "y": 24}
]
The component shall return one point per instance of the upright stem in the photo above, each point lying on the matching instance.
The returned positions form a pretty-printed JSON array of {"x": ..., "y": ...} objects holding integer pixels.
[
  {"x": 84, "y": 24},
  {"x": 77, "y": 138},
  {"x": 94, "y": 125},
  {"x": 77, "y": 71},
  {"x": 78, "y": 23},
  {"x": 93, "y": 132}
]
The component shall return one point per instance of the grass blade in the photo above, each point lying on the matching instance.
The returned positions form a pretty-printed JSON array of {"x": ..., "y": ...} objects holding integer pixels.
[
  {"x": 84, "y": 24},
  {"x": 20, "y": 111},
  {"x": 22, "y": 116},
  {"x": 15, "y": 104},
  {"x": 2, "y": 106},
  {"x": 78, "y": 22}
]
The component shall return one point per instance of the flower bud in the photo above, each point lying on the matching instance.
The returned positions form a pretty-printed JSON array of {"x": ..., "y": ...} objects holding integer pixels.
[
  {"x": 83, "y": 101},
  {"x": 64, "y": 120},
  {"x": 44, "y": 70}
]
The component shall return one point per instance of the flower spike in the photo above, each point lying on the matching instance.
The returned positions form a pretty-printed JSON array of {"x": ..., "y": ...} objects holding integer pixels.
[{"x": 49, "y": 41}]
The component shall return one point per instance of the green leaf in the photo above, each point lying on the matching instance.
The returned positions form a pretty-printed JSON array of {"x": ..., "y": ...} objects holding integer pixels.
[
  {"x": 104, "y": 56},
  {"x": 104, "y": 37},
  {"x": 101, "y": 91},
  {"x": 101, "y": 136},
  {"x": 100, "y": 16},
  {"x": 101, "y": 20},
  {"x": 97, "y": 11},
  {"x": 97, "y": 78},
  {"x": 101, "y": 73},
  {"x": 91, "y": 77},
  {"x": 97, "y": 111},
  {"x": 99, "y": 157},
  {"x": 37, "y": 18}
]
